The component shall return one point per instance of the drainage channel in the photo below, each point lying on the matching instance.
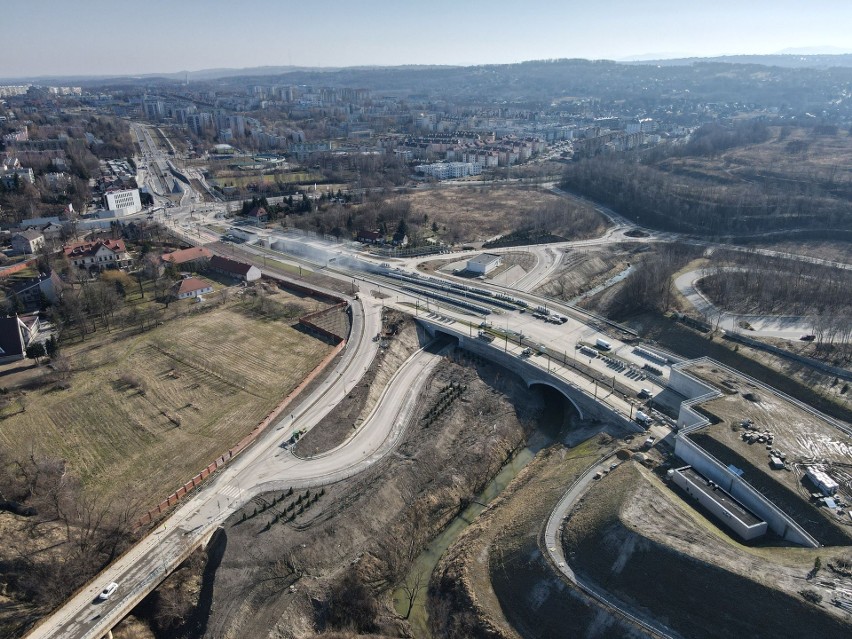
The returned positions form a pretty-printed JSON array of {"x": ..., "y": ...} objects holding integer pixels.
[{"x": 425, "y": 563}]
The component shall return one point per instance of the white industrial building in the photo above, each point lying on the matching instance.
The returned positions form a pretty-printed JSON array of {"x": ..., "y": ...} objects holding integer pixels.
[
  {"x": 123, "y": 202},
  {"x": 821, "y": 479},
  {"x": 484, "y": 264},
  {"x": 731, "y": 512}
]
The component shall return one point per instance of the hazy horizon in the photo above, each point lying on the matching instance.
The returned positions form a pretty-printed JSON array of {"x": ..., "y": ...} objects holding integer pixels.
[{"x": 165, "y": 37}]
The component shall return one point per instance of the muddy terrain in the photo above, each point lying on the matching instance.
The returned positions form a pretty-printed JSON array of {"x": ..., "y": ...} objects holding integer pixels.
[{"x": 495, "y": 581}]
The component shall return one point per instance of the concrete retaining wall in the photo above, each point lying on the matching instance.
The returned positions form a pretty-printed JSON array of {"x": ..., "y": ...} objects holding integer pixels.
[
  {"x": 308, "y": 321},
  {"x": 687, "y": 385},
  {"x": 778, "y": 521}
]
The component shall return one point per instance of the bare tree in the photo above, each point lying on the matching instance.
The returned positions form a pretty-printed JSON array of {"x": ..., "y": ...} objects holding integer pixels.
[{"x": 412, "y": 587}]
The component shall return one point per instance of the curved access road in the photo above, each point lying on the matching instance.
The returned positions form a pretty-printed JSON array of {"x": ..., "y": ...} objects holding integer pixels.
[
  {"x": 556, "y": 554},
  {"x": 790, "y": 327},
  {"x": 266, "y": 465}
]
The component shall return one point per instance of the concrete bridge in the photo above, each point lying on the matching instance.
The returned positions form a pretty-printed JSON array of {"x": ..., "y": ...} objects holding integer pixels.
[{"x": 530, "y": 369}]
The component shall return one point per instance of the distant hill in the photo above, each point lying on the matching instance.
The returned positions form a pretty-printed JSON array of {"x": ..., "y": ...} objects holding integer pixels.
[{"x": 788, "y": 60}]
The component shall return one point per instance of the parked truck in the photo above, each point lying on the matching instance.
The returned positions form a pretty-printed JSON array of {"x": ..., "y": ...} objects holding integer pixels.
[{"x": 603, "y": 344}]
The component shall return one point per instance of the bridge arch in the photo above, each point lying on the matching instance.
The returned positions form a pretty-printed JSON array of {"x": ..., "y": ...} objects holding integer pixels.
[{"x": 560, "y": 388}]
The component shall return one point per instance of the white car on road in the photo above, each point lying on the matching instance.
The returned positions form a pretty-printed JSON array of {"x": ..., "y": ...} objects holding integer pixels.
[{"x": 106, "y": 593}]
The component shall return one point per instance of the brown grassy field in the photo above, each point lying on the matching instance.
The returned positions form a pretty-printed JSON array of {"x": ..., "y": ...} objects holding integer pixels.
[
  {"x": 481, "y": 212},
  {"x": 792, "y": 156},
  {"x": 147, "y": 411}
]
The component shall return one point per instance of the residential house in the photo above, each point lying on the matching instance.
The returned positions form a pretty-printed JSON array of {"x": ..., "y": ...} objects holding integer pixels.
[
  {"x": 232, "y": 268},
  {"x": 11, "y": 170},
  {"x": 98, "y": 255},
  {"x": 195, "y": 256},
  {"x": 31, "y": 292},
  {"x": 370, "y": 237},
  {"x": 191, "y": 287},
  {"x": 400, "y": 239},
  {"x": 258, "y": 215},
  {"x": 16, "y": 334},
  {"x": 52, "y": 231},
  {"x": 50, "y": 227},
  {"x": 27, "y": 242}
]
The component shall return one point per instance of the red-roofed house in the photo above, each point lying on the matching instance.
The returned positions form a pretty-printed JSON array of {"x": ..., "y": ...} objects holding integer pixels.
[
  {"x": 370, "y": 237},
  {"x": 185, "y": 256},
  {"x": 98, "y": 255},
  {"x": 191, "y": 287},
  {"x": 258, "y": 214},
  {"x": 240, "y": 270}
]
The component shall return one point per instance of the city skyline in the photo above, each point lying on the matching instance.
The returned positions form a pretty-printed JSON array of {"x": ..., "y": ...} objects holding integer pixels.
[{"x": 168, "y": 37}]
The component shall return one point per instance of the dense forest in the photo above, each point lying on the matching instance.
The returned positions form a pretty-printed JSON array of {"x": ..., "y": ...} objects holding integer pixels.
[{"x": 691, "y": 189}]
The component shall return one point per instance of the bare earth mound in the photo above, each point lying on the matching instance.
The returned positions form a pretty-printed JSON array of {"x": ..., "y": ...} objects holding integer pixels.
[
  {"x": 655, "y": 557},
  {"x": 494, "y": 581}
]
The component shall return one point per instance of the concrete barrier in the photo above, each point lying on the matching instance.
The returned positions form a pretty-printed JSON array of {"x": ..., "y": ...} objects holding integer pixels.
[
  {"x": 779, "y": 522},
  {"x": 689, "y": 420}
]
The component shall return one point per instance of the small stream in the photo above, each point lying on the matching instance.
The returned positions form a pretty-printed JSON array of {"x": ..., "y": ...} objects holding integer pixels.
[
  {"x": 615, "y": 279},
  {"x": 425, "y": 563}
]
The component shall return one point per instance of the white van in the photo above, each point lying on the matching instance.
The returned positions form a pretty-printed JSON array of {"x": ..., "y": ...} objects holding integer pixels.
[{"x": 642, "y": 418}]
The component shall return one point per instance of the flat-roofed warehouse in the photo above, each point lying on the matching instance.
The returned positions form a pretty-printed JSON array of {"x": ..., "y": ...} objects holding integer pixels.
[
  {"x": 731, "y": 512},
  {"x": 484, "y": 264}
]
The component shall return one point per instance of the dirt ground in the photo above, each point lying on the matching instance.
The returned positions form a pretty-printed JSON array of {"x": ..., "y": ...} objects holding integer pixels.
[
  {"x": 803, "y": 438},
  {"x": 344, "y": 419},
  {"x": 637, "y": 538},
  {"x": 283, "y": 580},
  {"x": 819, "y": 157},
  {"x": 141, "y": 413},
  {"x": 583, "y": 269},
  {"x": 478, "y": 213},
  {"x": 494, "y": 581}
]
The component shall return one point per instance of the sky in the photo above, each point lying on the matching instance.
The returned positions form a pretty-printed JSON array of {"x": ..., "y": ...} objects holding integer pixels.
[{"x": 100, "y": 37}]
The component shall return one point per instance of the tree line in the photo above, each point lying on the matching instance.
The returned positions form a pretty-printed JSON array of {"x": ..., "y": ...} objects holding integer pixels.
[
  {"x": 653, "y": 190},
  {"x": 89, "y": 532}
]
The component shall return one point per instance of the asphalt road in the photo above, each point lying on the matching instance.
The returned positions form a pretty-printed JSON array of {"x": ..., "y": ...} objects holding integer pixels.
[
  {"x": 790, "y": 327},
  {"x": 266, "y": 465},
  {"x": 262, "y": 466},
  {"x": 556, "y": 554}
]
